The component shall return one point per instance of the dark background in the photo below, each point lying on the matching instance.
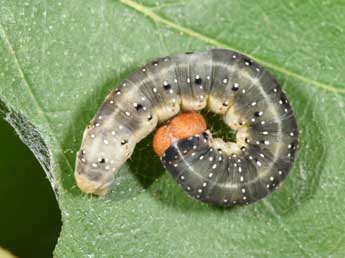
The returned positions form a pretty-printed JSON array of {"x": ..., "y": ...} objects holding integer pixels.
[{"x": 30, "y": 220}]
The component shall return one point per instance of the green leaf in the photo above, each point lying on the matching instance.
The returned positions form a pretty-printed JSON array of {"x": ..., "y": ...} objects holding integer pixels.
[{"x": 59, "y": 59}]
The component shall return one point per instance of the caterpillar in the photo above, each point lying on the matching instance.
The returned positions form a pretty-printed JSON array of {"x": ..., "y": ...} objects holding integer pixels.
[{"x": 228, "y": 83}]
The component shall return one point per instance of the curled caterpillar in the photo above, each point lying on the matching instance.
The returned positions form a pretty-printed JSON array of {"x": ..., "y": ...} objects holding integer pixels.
[{"x": 228, "y": 83}]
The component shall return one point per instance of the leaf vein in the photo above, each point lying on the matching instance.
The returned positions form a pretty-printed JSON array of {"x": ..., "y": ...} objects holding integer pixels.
[
  {"x": 194, "y": 34},
  {"x": 36, "y": 103}
]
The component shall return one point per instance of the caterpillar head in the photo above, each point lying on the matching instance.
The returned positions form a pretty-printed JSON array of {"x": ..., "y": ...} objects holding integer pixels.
[{"x": 181, "y": 126}]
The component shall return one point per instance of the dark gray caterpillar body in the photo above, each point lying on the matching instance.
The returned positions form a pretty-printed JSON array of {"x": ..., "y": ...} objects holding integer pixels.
[{"x": 209, "y": 169}]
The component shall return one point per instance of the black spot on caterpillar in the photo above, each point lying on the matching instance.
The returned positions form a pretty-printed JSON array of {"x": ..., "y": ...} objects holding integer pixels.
[{"x": 209, "y": 169}]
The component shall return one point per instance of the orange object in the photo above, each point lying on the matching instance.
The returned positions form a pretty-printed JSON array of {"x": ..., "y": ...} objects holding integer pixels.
[{"x": 181, "y": 126}]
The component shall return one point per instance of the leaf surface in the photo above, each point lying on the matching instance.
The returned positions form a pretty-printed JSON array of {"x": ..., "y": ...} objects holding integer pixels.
[{"x": 59, "y": 59}]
